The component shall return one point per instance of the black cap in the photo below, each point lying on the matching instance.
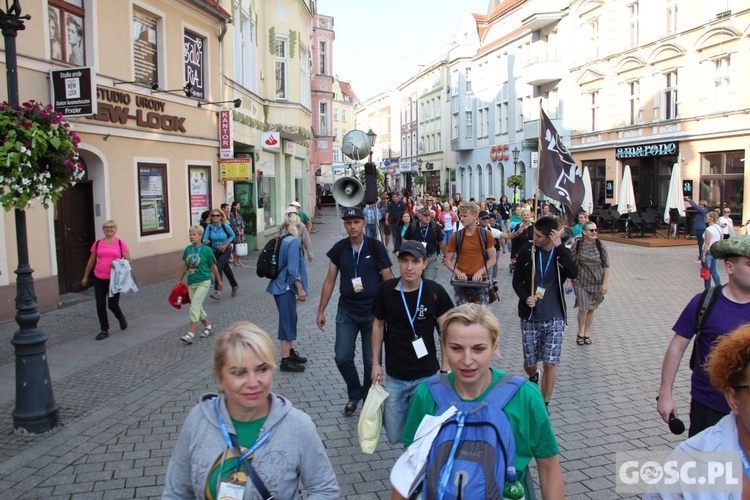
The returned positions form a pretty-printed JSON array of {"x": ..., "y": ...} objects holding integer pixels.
[
  {"x": 484, "y": 214},
  {"x": 353, "y": 213},
  {"x": 414, "y": 248}
]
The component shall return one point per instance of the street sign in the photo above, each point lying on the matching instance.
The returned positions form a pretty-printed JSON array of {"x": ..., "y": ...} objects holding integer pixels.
[{"x": 387, "y": 163}]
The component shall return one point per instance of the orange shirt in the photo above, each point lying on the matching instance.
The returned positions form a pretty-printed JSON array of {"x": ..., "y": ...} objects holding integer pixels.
[{"x": 470, "y": 259}]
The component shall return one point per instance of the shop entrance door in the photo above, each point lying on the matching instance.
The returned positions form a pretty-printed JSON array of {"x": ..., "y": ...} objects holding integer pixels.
[{"x": 74, "y": 235}]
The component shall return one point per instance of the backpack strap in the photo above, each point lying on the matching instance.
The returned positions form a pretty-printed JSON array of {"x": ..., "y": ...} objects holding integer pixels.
[
  {"x": 504, "y": 390},
  {"x": 705, "y": 306},
  {"x": 442, "y": 391}
]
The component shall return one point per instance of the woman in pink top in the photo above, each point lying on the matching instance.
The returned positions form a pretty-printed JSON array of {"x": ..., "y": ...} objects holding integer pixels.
[{"x": 103, "y": 253}]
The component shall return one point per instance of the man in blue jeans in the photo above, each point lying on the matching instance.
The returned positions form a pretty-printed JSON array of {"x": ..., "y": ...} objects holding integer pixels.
[
  {"x": 364, "y": 264},
  {"x": 700, "y": 223},
  {"x": 406, "y": 310}
]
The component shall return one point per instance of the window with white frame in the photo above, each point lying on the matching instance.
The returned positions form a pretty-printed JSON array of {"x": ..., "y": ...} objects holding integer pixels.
[
  {"x": 242, "y": 44},
  {"x": 335, "y": 132},
  {"x": 67, "y": 31},
  {"x": 414, "y": 141},
  {"x": 306, "y": 82},
  {"x": 671, "y": 16},
  {"x": 343, "y": 115},
  {"x": 591, "y": 29},
  {"x": 323, "y": 57},
  {"x": 338, "y": 156},
  {"x": 480, "y": 123},
  {"x": 404, "y": 150},
  {"x": 519, "y": 114},
  {"x": 454, "y": 126},
  {"x": 634, "y": 102},
  {"x": 721, "y": 83},
  {"x": 669, "y": 96},
  {"x": 439, "y": 143},
  {"x": 468, "y": 79},
  {"x": 633, "y": 24},
  {"x": 335, "y": 114},
  {"x": 323, "y": 119},
  {"x": 469, "y": 125},
  {"x": 486, "y": 121},
  {"x": 281, "y": 53},
  {"x": 594, "y": 110}
]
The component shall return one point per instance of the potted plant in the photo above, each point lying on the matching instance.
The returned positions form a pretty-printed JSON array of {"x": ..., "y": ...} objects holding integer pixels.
[
  {"x": 38, "y": 156},
  {"x": 514, "y": 181}
]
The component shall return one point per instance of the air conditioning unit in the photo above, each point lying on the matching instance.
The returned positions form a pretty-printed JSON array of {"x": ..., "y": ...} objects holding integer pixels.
[{"x": 724, "y": 14}]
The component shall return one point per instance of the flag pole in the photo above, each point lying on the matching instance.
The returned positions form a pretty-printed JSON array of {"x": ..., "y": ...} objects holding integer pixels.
[{"x": 536, "y": 196}]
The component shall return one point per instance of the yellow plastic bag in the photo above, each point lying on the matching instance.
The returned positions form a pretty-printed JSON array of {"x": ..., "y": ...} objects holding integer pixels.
[{"x": 371, "y": 419}]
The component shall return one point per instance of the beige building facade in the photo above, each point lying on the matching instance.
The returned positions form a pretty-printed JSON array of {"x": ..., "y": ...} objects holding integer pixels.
[
  {"x": 664, "y": 91},
  {"x": 167, "y": 74}
]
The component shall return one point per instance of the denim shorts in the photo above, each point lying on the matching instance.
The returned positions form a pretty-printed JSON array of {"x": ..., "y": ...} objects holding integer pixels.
[{"x": 542, "y": 340}]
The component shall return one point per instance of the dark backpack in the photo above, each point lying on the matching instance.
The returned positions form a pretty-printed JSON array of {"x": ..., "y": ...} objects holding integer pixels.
[
  {"x": 268, "y": 260},
  {"x": 579, "y": 244},
  {"x": 474, "y": 452},
  {"x": 705, "y": 305}
]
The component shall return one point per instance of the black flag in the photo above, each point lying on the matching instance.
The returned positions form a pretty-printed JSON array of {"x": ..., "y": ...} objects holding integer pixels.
[{"x": 559, "y": 176}]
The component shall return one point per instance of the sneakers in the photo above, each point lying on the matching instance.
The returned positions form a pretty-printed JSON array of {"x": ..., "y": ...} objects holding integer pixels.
[
  {"x": 215, "y": 295},
  {"x": 294, "y": 356},
  {"x": 234, "y": 290},
  {"x": 102, "y": 335},
  {"x": 207, "y": 331},
  {"x": 188, "y": 338},
  {"x": 287, "y": 365},
  {"x": 123, "y": 323}
]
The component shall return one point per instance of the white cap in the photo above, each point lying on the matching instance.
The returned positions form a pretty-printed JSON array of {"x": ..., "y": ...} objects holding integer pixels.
[{"x": 295, "y": 204}]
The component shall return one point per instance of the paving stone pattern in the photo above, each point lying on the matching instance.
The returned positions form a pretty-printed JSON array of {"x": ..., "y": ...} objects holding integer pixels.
[{"x": 122, "y": 415}]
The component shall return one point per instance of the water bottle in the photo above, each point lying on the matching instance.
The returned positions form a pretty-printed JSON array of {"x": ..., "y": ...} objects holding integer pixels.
[
  {"x": 513, "y": 489},
  {"x": 179, "y": 299},
  {"x": 569, "y": 290}
]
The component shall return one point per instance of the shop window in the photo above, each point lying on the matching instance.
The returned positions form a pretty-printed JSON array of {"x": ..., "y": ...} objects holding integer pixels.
[
  {"x": 145, "y": 46},
  {"x": 722, "y": 181},
  {"x": 270, "y": 214},
  {"x": 152, "y": 195},
  {"x": 598, "y": 172},
  {"x": 194, "y": 50},
  {"x": 200, "y": 192},
  {"x": 67, "y": 32}
]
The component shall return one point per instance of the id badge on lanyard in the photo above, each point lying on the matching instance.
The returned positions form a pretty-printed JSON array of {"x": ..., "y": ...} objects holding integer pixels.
[{"x": 418, "y": 343}]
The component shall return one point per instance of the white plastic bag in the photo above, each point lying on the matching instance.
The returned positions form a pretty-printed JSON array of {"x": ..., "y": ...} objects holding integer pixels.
[
  {"x": 240, "y": 249},
  {"x": 371, "y": 419}
]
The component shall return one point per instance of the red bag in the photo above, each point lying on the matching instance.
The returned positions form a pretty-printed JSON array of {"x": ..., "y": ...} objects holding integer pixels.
[
  {"x": 179, "y": 295},
  {"x": 705, "y": 275}
]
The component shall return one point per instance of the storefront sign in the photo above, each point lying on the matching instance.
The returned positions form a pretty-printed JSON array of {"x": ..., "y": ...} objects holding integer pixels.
[
  {"x": 609, "y": 189},
  {"x": 119, "y": 111},
  {"x": 687, "y": 188},
  {"x": 72, "y": 91},
  {"x": 290, "y": 148},
  {"x": 405, "y": 166},
  {"x": 226, "y": 142},
  {"x": 271, "y": 140},
  {"x": 645, "y": 150},
  {"x": 234, "y": 169},
  {"x": 499, "y": 153},
  {"x": 193, "y": 57}
]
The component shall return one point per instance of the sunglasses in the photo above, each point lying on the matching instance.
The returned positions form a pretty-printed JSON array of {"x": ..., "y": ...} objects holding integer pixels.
[
  {"x": 593, "y": 230},
  {"x": 110, "y": 227},
  {"x": 215, "y": 215}
]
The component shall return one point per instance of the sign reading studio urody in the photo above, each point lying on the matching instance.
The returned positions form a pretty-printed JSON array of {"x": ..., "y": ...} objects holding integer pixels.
[{"x": 72, "y": 91}]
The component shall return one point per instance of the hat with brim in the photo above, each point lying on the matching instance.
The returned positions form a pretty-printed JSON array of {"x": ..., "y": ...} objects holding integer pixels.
[
  {"x": 491, "y": 198},
  {"x": 295, "y": 204},
  {"x": 414, "y": 248},
  {"x": 425, "y": 211},
  {"x": 353, "y": 213},
  {"x": 734, "y": 246}
]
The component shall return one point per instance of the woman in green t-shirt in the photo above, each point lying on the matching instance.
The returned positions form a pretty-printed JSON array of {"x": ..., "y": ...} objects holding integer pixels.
[
  {"x": 470, "y": 342},
  {"x": 199, "y": 263}
]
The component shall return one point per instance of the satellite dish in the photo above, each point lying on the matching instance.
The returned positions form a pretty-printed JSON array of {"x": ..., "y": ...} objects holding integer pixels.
[{"x": 356, "y": 145}]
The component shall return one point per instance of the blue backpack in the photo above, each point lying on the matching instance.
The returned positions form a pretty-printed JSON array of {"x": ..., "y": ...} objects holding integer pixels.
[{"x": 474, "y": 451}]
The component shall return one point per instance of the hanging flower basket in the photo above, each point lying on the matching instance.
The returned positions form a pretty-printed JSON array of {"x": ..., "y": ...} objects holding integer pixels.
[
  {"x": 38, "y": 156},
  {"x": 514, "y": 181}
]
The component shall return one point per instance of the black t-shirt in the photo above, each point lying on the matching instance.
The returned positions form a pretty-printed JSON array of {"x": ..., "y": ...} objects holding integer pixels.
[
  {"x": 401, "y": 361},
  {"x": 372, "y": 258},
  {"x": 396, "y": 210},
  {"x": 434, "y": 234},
  {"x": 546, "y": 277}
]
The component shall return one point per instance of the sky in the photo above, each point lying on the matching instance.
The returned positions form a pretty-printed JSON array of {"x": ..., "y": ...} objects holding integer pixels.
[{"x": 380, "y": 43}]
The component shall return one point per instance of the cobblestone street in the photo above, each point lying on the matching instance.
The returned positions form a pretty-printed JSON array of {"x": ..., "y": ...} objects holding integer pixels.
[{"x": 123, "y": 400}]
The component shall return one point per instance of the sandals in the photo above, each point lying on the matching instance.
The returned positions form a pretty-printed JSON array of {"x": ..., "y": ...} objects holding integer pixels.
[
  {"x": 207, "y": 331},
  {"x": 587, "y": 340},
  {"x": 188, "y": 338},
  {"x": 583, "y": 340}
]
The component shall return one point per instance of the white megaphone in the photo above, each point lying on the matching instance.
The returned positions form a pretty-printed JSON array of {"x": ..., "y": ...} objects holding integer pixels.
[{"x": 348, "y": 191}]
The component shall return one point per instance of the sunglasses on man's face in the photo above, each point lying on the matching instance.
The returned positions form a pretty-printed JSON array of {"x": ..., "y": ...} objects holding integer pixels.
[{"x": 595, "y": 230}]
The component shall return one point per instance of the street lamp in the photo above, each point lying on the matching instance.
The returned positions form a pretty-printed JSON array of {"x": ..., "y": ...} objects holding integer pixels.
[
  {"x": 36, "y": 411},
  {"x": 515, "y": 154},
  {"x": 372, "y": 136}
]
